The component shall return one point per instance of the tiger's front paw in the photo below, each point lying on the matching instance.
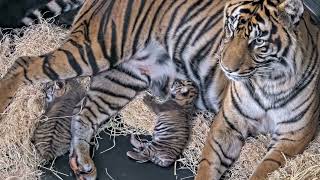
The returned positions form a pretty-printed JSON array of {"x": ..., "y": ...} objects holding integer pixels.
[
  {"x": 257, "y": 178},
  {"x": 81, "y": 163},
  {"x": 206, "y": 172}
]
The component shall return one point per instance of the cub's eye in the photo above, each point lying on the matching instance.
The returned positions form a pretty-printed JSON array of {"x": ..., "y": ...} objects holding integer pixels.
[
  {"x": 259, "y": 42},
  {"x": 59, "y": 85}
]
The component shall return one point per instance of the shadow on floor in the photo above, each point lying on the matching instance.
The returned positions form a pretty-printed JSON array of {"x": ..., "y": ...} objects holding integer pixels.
[{"x": 118, "y": 165}]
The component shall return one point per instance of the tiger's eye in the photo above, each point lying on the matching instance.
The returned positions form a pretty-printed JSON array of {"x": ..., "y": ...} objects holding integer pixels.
[
  {"x": 231, "y": 19},
  {"x": 242, "y": 21},
  {"x": 59, "y": 85},
  {"x": 259, "y": 41}
]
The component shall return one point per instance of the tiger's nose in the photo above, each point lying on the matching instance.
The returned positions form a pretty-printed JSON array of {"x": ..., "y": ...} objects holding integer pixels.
[{"x": 173, "y": 96}]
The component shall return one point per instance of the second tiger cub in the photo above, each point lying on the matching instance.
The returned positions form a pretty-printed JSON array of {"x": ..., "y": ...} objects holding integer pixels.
[{"x": 171, "y": 131}]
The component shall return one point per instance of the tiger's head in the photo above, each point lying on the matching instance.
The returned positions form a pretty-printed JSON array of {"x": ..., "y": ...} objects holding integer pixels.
[
  {"x": 260, "y": 38},
  {"x": 57, "y": 89},
  {"x": 184, "y": 92}
]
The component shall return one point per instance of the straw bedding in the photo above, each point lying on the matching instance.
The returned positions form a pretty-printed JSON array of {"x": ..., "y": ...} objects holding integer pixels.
[{"x": 18, "y": 158}]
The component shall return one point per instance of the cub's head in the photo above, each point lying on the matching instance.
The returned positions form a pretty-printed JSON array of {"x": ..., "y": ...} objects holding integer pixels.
[
  {"x": 260, "y": 38},
  {"x": 59, "y": 88},
  {"x": 184, "y": 92}
]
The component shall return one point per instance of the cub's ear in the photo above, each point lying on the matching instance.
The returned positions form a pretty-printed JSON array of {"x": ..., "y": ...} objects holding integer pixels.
[{"x": 290, "y": 12}]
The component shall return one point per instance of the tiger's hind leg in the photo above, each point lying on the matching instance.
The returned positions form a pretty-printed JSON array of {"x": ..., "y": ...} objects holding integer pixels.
[
  {"x": 109, "y": 92},
  {"x": 285, "y": 144}
]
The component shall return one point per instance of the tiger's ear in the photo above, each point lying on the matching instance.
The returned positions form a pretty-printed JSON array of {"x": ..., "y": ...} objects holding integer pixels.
[{"x": 290, "y": 12}]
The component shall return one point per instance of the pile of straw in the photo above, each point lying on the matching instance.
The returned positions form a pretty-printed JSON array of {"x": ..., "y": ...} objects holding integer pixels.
[{"x": 18, "y": 157}]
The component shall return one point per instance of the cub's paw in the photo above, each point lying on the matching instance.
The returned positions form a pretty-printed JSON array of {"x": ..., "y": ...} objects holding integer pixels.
[{"x": 137, "y": 156}]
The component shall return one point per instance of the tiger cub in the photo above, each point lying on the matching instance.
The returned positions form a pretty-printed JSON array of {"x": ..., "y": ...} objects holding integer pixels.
[
  {"x": 171, "y": 131},
  {"x": 52, "y": 134}
]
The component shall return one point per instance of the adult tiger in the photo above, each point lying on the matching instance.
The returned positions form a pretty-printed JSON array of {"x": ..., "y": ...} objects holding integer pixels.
[
  {"x": 271, "y": 54},
  {"x": 107, "y": 33}
]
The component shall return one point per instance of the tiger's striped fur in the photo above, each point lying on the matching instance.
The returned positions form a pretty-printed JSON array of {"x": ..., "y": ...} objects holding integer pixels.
[
  {"x": 99, "y": 41},
  {"x": 52, "y": 135},
  {"x": 172, "y": 129},
  {"x": 271, "y": 55},
  {"x": 107, "y": 33},
  {"x": 110, "y": 91}
]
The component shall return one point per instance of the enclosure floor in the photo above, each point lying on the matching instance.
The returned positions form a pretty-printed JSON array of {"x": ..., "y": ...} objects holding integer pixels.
[{"x": 119, "y": 166}]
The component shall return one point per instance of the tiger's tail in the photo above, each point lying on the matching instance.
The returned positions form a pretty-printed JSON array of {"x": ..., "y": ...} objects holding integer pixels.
[{"x": 52, "y": 9}]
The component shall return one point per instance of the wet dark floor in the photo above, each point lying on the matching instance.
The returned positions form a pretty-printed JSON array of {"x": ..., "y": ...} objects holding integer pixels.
[{"x": 118, "y": 165}]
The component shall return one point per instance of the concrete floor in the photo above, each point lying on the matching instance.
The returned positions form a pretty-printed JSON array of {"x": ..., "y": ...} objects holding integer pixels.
[{"x": 119, "y": 166}]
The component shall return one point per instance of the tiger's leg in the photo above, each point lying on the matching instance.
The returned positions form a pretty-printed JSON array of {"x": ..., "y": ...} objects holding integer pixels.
[
  {"x": 109, "y": 92},
  {"x": 74, "y": 58},
  {"x": 285, "y": 144},
  {"x": 222, "y": 147}
]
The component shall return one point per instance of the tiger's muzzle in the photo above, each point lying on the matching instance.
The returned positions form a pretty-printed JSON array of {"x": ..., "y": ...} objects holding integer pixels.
[{"x": 236, "y": 61}]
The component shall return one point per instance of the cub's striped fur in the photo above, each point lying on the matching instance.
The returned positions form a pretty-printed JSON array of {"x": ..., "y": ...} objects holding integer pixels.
[
  {"x": 52, "y": 135},
  {"x": 172, "y": 129},
  {"x": 270, "y": 58}
]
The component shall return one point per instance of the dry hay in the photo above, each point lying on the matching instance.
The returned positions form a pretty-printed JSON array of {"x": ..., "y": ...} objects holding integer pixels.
[{"x": 19, "y": 159}]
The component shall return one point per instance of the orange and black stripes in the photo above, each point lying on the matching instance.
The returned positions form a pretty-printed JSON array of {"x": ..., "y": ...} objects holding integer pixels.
[{"x": 276, "y": 73}]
